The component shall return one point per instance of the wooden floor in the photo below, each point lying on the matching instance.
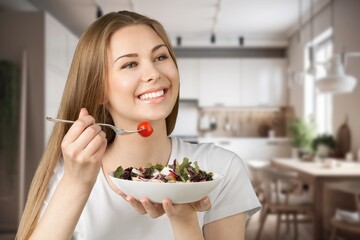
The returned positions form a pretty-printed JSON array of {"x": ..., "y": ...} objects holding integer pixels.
[{"x": 268, "y": 233}]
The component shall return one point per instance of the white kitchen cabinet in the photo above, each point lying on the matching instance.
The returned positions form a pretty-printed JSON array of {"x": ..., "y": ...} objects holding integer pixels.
[
  {"x": 60, "y": 46},
  {"x": 242, "y": 82},
  {"x": 263, "y": 82},
  {"x": 189, "y": 78},
  {"x": 263, "y": 149},
  {"x": 219, "y": 82}
]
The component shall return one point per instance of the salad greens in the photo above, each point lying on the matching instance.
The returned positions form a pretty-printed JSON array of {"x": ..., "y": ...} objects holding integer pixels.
[{"x": 185, "y": 172}]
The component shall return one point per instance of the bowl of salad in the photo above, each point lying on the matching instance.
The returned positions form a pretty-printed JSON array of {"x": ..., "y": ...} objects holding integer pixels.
[{"x": 181, "y": 182}]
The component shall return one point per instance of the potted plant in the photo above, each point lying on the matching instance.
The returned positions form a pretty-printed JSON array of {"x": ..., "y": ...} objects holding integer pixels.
[
  {"x": 302, "y": 133},
  {"x": 324, "y": 145}
]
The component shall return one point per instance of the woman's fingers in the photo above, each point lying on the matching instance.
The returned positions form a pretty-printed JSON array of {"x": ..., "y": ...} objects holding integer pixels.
[
  {"x": 97, "y": 140},
  {"x": 83, "y": 147},
  {"x": 78, "y": 128},
  {"x": 202, "y": 205},
  {"x": 136, "y": 204},
  {"x": 183, "y": 210},
  {"x": 153, "y": 209},
  {"x": 145, "y": 206}
]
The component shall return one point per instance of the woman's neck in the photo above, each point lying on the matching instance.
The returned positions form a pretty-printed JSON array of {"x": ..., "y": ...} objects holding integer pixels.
[{"x": 136, "y": 151}]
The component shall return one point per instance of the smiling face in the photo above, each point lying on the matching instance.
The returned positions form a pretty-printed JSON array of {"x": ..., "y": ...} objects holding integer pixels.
[{"x": 143, "y": 81}]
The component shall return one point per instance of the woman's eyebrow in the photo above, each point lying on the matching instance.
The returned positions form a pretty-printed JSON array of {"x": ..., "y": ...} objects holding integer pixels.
[
  {"x": 157, "y": 47},
  {"x": 135, "y": 54}
]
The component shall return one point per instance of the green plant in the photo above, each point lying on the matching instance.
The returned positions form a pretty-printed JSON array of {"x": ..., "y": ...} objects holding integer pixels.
[
  {"x": 324, "y": 139},
  {"x": 302, "y": 133}
]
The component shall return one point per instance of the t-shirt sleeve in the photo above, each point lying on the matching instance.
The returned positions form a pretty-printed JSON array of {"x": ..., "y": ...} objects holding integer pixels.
[{"x": 235, "y": 194}]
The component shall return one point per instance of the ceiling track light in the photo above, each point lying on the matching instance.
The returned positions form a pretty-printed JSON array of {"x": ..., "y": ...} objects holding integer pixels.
[
  {"x": 178, "y": 41},
  {"x": 99, "y": 12},
  {"x": 217, "y": 9},
  {"x": 213, "y": 38},
  {"x": 241, "y": 41}
]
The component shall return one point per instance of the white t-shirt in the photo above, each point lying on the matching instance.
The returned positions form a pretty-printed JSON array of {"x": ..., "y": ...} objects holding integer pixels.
[{"x": 107, "y": 216}]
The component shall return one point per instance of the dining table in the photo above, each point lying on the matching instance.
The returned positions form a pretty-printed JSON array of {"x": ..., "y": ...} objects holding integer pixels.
[{"x": 316, "y": 174}]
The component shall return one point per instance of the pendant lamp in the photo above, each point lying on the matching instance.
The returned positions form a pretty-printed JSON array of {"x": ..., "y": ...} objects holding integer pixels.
[
  {"x": 336, "y": 81},
  {"x": 312, "y": 68}
]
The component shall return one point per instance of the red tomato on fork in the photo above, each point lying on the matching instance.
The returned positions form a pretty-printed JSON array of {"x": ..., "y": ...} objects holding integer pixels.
[{"x": 145, "y": 129}]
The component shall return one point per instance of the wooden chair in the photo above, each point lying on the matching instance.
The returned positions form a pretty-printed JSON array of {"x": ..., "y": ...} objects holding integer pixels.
[
  {"x": 278, "y": 189},
  {"x": 351, "y": 228}
]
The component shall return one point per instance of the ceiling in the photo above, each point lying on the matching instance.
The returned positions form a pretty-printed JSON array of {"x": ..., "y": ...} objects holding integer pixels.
[{"x": 260, "y": 22}]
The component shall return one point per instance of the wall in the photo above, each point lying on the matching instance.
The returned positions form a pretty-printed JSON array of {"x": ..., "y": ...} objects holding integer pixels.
[
  {"x": 18, "y": 32},
  {"x": 347, "y": 36}
]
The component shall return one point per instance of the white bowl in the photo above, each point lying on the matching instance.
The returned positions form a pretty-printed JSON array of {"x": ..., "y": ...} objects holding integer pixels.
[{"x": 179, "y": 192}]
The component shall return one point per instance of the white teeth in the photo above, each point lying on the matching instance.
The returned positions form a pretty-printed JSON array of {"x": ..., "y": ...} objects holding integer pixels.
[{"x": 148, "y": 96}]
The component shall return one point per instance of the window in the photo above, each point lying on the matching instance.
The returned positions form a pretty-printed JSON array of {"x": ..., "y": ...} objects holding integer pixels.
[
  {"x": 323, "y": 114},
  {"x": 319, "y": 106}
]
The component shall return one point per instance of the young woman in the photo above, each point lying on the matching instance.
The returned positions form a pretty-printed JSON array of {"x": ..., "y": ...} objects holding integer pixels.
[{"x": 123, "y": 72}]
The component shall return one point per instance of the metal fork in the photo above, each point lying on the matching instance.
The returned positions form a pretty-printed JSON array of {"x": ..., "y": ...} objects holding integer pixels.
[{"x": 117, "y": 130}]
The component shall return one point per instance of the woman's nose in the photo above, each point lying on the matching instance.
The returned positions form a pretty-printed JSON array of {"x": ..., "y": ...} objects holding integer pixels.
[{"x": 150, "y": 72}]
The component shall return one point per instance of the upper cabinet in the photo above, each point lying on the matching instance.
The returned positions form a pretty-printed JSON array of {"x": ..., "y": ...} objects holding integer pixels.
[
  {"x": 60, "y": 46},
  {"x": 189, "y": 78},
  {"x": 234, "y": 82},
  {"x": 263, "y": 82},
  {"x": 219, "y": 82}
]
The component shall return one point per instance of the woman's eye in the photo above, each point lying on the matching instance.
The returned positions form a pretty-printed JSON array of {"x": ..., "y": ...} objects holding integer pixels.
[
  {"x": 161, "y": 58},
  {"x": 130, "y": 65}
]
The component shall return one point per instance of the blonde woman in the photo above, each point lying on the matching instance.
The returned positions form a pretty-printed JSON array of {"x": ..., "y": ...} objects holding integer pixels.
[{"x": 123, "y": 72}]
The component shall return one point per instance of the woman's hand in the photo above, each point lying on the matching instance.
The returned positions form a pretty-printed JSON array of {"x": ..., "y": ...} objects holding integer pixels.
[
  {"x": 83, "y": 148},
  {"x": 145, "y": 206},
  {"x": 184, "y": 219}
]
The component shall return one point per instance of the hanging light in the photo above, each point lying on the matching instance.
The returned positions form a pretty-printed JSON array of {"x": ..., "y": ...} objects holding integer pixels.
[
  {"x": 312, "y": 69},
  {"x": 336, "y": 81}
]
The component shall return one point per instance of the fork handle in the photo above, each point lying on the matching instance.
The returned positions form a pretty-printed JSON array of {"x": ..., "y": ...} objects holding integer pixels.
[
  {"x": 58, "y": 120},
  {"x": 69, "y": 121}
]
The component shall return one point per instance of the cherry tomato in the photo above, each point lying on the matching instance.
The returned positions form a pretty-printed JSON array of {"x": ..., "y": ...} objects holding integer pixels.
[
  {"x": 145, "y": 129},
  {"x": 171, "y": 176}
]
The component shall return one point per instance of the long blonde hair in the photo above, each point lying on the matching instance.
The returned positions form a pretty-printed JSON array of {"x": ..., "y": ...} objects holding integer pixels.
[{"x": 85, "y": 87}]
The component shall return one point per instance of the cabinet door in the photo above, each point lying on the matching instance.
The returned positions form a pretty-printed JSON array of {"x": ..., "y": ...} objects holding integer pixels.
[
  {"x": 56, "y": 43},
  {"x": 263, "y": 82},
  {"x": 277, "y": 71},
  {"x": 219, "y": 82},
  {"x": 189, "y": 78}
]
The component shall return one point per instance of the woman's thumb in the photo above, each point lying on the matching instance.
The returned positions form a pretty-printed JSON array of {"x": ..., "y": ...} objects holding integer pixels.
[{"x": 83, "y": 112}]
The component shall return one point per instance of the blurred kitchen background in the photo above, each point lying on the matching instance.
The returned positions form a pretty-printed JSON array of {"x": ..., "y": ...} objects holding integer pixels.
[{"x": 269, "y": 80}]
